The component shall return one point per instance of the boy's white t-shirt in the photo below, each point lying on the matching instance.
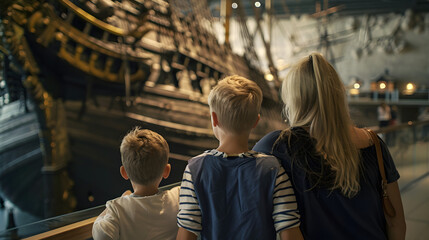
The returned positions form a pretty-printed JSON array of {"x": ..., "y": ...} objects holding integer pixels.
[{"x": 133, "y": 217}]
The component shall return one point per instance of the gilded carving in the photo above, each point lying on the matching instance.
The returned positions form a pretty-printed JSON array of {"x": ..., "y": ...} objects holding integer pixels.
[{"x": 53, "y": 134}]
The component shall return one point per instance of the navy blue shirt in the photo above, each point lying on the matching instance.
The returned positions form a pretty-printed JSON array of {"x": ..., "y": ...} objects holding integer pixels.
[{"x": 326, "y": 213}]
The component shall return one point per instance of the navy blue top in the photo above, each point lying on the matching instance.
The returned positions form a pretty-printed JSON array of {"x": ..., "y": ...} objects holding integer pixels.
[{"x": 325, "y": 213}]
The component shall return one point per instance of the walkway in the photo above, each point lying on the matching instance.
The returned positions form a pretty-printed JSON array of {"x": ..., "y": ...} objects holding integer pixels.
[{"x": 416, "y": 208}]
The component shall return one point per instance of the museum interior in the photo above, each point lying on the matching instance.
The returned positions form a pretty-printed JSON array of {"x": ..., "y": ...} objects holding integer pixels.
[{"x": 78, "y": 75}]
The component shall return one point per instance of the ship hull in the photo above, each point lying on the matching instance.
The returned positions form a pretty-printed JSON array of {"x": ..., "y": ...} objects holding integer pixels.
[
  {"x": 89, "y": 83},
  {"x": 95, "y": 138}
]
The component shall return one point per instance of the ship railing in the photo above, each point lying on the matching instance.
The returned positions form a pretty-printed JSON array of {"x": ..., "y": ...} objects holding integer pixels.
[
  {"x": 408, "y": 144},
  {"x": 93, "y": 20},
  {"x": 76, "y": 225}
]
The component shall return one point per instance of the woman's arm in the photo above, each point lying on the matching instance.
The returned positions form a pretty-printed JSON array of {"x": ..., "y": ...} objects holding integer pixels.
[{"x": 395, "y": 226}]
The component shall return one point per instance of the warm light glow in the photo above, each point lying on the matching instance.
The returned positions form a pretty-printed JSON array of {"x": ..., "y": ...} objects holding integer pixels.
[
  {"x": 234, "y": 5},
  {"x": 257, "y": 4},
  {"x": 354, "y": 91},
  {"x": 382, "y": 85},
  {"x": 410, "y": 88},
  {"x": 356, "y": 86},
  {"x": 269, "y": 77}
]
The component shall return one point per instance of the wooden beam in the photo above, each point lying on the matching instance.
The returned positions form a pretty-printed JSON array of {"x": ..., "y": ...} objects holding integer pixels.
[{"x": 328, "y": 11}]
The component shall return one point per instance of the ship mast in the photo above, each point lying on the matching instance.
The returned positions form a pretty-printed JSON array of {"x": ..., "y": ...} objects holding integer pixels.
[
  {"x": 267, "y": 43},
  {"x": 225, "y": 16}
]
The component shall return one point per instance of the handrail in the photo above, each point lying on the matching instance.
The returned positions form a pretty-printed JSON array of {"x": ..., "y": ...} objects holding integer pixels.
[
  {"x": 66, "y": 225},
  {"x": 401, "y": 126},
  {"x": 408, "y": 144},
  {"x": 79, "y": 230},
  {"x": 73, "y": 228}
]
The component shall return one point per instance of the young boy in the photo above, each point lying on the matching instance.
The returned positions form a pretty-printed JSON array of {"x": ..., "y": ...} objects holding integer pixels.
[
  {"x": 146, "y": 213},
  {"x": 231, "y": 192}
]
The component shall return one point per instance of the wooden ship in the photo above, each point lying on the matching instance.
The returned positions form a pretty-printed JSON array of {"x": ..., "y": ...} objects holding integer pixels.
[{"x": 79, "y": 74}]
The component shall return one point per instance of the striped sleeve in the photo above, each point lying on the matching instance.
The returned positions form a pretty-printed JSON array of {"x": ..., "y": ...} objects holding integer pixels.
[
  {"x": 285, "y": 213},
  {"x": 189, "y": 216}
]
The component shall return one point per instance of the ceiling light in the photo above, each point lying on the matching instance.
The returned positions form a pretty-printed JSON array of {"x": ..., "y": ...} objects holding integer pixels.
[
  {"x": 257, "y": 4},
  {"x": 234, "y": 5}
]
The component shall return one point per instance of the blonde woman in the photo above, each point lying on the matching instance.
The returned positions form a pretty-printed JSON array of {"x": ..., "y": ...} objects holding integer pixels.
[{"x": 331, "y": 163}]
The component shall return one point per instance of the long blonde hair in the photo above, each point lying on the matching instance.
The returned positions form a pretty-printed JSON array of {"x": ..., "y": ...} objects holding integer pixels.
[{"x": 315, "y": 99}]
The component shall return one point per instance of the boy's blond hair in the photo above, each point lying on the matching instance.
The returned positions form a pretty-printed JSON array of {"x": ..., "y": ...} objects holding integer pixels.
[
  {"x": 144, "y": 155},
  {"x": 236, "y": 102}
]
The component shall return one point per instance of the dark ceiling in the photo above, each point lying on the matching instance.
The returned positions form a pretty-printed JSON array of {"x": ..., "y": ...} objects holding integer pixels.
[{"x": 343, "y": 7}]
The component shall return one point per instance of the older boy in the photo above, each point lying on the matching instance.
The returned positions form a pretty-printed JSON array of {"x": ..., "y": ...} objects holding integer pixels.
[
  {"x": 146, "y": 213},
  {"x": 231, "y": 192}
]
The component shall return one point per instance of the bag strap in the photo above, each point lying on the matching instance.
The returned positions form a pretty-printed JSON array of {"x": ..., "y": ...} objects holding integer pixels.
[
  {"x": 389, "y": 210},
  {"x": 376, "y": 142}
]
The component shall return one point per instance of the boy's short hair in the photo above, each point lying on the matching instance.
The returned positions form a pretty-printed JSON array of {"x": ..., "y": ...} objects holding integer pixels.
[
  {"x": 144, "y": 154},
  {"x": 236, "y": 102}
]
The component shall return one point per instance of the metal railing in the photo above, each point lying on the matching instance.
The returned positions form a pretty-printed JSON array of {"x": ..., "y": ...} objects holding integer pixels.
[{"x": 409, "y": 146}]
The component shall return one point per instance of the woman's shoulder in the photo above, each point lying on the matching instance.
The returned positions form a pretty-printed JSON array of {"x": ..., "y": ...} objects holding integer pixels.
[
  {"x": 272, "y": 136},
  {"x": 265, "y": 144},
  {"x": 293, "y": 135},
  {"x": 361, "y": 138}
]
